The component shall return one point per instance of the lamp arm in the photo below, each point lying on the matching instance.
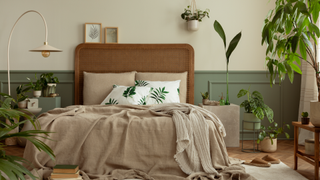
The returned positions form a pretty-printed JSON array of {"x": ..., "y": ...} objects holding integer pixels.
[{"x": 46, "y": 36}]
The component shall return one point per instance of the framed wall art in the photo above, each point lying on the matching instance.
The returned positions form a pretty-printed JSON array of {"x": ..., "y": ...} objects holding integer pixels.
[
  {"x": 111, "y": 34},
  {"x": 92, "y": 33}
]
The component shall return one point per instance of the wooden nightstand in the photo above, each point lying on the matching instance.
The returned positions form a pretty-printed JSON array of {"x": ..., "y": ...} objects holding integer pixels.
[
  {"x": 230, "y": 118},
  {"x": 314, "y": 160},
  {"x": 49, "y": 103}
]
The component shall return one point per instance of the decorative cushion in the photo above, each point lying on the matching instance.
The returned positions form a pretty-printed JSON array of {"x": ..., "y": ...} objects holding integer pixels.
[
  {"x": 149, "y": 76},
  {"x": 128, "y": 95},
  {"x": 97, "y": 86},
  {"x": 161, "y": 91}
]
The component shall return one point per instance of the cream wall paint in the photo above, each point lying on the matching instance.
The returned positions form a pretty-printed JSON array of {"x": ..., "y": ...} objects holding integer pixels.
[{"x": 139, "y": 21}]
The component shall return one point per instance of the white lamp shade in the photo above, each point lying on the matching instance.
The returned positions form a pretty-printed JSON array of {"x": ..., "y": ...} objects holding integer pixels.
[{"x": 45, "y": 48}]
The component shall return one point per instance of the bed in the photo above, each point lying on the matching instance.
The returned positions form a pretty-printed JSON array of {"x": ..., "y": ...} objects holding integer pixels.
[{"x": 169, "y": 141}]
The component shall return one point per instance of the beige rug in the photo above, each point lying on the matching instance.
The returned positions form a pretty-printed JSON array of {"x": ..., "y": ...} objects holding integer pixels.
[{"x": 275, "y": 172}]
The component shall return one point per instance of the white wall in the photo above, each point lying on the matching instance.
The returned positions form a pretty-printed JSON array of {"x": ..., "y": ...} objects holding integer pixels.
[{"x": 139, "y": 21}]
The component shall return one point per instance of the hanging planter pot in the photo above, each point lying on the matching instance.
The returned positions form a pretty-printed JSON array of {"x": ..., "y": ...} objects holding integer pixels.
[{"x": 193, "y": 25}]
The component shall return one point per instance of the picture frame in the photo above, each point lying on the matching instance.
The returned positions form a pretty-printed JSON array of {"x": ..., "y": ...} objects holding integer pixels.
[
  {"x": 111, "y": 35},
  {"x": 93, "y": 33}
]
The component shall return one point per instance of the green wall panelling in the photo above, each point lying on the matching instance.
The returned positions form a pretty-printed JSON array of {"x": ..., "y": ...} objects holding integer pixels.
[{"x": 283, "y": 99}]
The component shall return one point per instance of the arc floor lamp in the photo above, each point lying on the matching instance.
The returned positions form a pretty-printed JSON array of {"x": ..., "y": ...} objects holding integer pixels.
[{"x": 44, "y": 49}]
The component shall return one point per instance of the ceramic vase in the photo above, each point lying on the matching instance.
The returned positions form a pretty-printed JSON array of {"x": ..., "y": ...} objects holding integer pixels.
[
  {"x": 51, "y": 88},
  {"x": 37, "y": 93},
  {"x": 305, "y": 120},
  {"x": 315, "y": 113},
  {"x": 193, "y": 25},
  {"x": 205, "y": 101},
  {"x": 252, "y": 122},
  {"x": 266, "y": 146}
]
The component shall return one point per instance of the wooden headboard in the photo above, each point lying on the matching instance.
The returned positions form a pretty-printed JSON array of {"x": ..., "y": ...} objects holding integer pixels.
[{"x": 115, "y": 58}]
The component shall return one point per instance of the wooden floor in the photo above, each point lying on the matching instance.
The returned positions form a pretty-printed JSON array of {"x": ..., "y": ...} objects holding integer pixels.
[{"x": 284, "y": 153}]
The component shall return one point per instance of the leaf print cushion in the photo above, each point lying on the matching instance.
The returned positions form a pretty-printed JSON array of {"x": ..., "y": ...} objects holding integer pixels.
[
  {"x": 127, "y": 95},
  {"x": 162, "y": 91}
]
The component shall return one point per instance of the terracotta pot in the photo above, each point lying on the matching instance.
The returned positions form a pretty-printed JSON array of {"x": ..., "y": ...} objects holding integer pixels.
[
  {"x": 266, "y": 146},
  {"x": 315, "y": 113},
  {"x": 254, "y": 122},
  {"x": 205, "y": 101},
  {"x": 193, "y": 25},
  {"x": 305, "y": 120}
]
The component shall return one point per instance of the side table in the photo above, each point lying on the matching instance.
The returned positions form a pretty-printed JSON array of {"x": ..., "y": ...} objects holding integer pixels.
[
  {"x": 229, "y": 115},
  {"x": 314, "y": 160},
  {"x": 49, "y": 103}
]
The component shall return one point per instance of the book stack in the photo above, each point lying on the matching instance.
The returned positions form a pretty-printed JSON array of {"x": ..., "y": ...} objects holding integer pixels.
[{"x": 65, "y": 172}]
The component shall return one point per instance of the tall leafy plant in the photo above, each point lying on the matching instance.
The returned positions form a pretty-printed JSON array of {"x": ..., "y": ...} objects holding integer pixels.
[
  {"x": 11, "y": 166},
  {"x": 289, "y": 26},
  {"x": 232, "y": 45}
]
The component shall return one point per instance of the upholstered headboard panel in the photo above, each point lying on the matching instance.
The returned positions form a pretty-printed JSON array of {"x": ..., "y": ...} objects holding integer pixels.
[{"x": 113, "y": 58}]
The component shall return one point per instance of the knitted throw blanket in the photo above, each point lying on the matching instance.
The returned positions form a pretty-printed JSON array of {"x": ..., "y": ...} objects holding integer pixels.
[{"x": 192, "y": 129}]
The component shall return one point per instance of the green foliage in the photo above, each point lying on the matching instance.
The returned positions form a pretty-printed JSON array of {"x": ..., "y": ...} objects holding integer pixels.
[
  {"x": 272, "y": 132},
  {"x": 255, "y": 104},
  {"x": 305, "y": 114},
  {"x": 198, "y": 15},
  {"x": 37, "y": 86},
  {"x": 21, "y": 92},
  {"x": 159, "y": 94},
  {"x": 290, "y": 25},
  {"x": 46, "y": 78},
  {"x": 11, "y": 165},
  {"x": 178, "y": 91},
  {"x": 205, "y": 95},
  {"x": 112, "y": 101},
  {"x": 143, "y": 101},
  {"x": 141, "y": 83},
  {"x": 129, "y": 92}
]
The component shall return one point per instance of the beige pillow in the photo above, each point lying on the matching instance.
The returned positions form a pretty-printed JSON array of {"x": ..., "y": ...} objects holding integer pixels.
[
  {"x": 97, "y": 86},
  {"x": 149, "y": 76}
]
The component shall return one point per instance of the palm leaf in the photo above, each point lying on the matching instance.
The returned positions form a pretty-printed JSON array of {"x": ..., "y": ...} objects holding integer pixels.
[{"x": 141, "y": 83}]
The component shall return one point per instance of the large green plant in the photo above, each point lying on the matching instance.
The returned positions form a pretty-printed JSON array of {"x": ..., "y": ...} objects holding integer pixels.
[
  {"x": 232, "y": 45},
  {"x": 12, "y": 166},
  {"x": 255, "y": 104},
  {"x": 289, "y": 26}
]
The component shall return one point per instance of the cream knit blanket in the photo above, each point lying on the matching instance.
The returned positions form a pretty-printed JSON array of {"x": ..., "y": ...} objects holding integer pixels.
[{"x": 193, "y": 149}]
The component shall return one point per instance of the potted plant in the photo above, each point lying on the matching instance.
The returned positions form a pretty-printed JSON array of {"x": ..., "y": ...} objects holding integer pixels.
[
  {"x": 255, "y": 109},
  {"x": 194, "y": 17},
  {"x": 12, "y": 166},
  {"x": 21, "y": 96},
  {"x": 282, "y": 37},
  {"x": 49, "y": 83},
  {"x": 232, "y": 45},
  {"x": 37, "y": 86},
  {"x": 205, "y": 98},
  {"x": 304, "y": 118},
  {"x": 268, "y": 137}
]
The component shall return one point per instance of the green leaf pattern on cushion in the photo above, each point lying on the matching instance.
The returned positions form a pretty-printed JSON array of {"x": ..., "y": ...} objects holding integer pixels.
[
  {"x": 143, "y": 101},
  {"x": 115, "y": 86},
  {"x": 141, "y": 83},
  {"x": 129, "y": 92},
  {"x": 112, "y": 101},
  {"x": 159, "y": 94},
  {"x": 178, "y": 91}
]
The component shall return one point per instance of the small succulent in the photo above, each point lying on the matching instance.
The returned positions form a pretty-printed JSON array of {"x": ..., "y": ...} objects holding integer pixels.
[
  {"x": 304, "y": 114},
  {"x": 205, "y": 95}
]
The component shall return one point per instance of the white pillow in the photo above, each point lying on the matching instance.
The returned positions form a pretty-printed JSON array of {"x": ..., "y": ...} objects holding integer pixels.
[
  {"x": 128, "y": 95},
  {"x": 162, "y": 91}
]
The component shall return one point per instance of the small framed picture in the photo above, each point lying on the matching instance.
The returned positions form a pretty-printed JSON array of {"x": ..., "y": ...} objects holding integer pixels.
[
  {"x": 92, "y": 33},
  {"x": 111, "y": 35}
]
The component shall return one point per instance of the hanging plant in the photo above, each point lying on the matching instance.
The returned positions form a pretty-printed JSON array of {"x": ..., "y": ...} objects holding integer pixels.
[{"x": 193, "y": 15}]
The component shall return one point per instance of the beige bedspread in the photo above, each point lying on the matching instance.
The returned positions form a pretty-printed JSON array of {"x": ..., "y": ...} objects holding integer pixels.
[{"x": 109, "y": 140}]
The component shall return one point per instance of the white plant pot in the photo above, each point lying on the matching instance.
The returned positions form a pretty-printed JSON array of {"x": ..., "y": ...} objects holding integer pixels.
[
  {"x": 315, "y": 113},
  {"x": 22, "y": 104},
  {"x": 193, "y": 25},
  {"x": 254, "y": 122},
  {"x": 37, "y": 93},
  {"x": 266, "y": 146}
]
